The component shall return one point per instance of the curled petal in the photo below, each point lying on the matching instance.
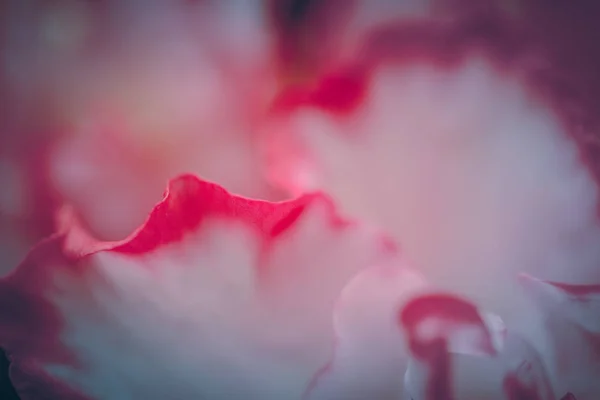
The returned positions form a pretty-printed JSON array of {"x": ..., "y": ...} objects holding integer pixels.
[
  {"x": 435, "y": 324},
  {"x": 370, "y": 355},
  {"x": 215, "y": 296},
  {"x": 578, "y": 303},
  {"x": 448, "y": 337}
]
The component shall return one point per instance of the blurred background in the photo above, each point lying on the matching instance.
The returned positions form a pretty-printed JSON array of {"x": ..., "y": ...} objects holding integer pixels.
[{"x": 102, "y": 101}]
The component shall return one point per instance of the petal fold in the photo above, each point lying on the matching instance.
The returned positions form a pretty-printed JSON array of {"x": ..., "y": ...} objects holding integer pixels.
[{"x": 215, "y": 296}]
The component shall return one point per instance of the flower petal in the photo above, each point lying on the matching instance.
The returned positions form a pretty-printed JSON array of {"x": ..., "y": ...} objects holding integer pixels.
[
  {"x": 370, "y": 355},
  {"x": 526, "y": 376},
  {"x": 140, "y": 94},
  {"x": 454, "y": 145},
  {"x": 214, "y": 296},
  {"x": 434, "y": 324},
  {"x": 446, "y": 336},
  {"x": 572, "y": 317},
  {"x": 313, "y": 37},
  {"x": 26, "y": 206}
]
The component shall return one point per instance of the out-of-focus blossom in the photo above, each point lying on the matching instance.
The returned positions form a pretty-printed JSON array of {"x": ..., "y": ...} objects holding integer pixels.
[
  {"x": 462, "y": 139},
  {"x": 456, "y": 125},
  {"x": 215, "y": 296}
]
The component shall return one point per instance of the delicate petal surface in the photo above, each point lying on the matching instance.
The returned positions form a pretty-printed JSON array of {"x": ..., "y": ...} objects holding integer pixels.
[
  {"x": 370, "y": 356},
  {"x": 441, "y": 137},
  {"x": 215, "y": 296},
  {"x": 133, "y": 93}
]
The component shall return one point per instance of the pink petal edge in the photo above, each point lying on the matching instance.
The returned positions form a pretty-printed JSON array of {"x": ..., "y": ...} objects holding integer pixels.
[{"x": 188, "y": 202}]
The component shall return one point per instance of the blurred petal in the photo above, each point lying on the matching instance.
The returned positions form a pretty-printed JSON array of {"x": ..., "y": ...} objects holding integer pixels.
[
  {"x": 526, "y": 376},
  {"x": 132, "y": 93},
  {"x": 215, "y": 296},
  {"x": 26, "y": 206},
  {"x": 447, "y": 336},
  {"x": 572, "y": 316},
  {"x": 434, "y": 323},
  {"x": 457, "y": 137},
  {"x": 370, "y": 355},
  {"x": 316, "y": 36}
]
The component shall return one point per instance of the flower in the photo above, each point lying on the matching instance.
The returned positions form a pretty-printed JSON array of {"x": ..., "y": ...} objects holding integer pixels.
[
  {"x": 220, "y": 296},
  {"x": 464, "y": 141},
  {"x": 215, "y": 296},
  {"x": 456, "y": 126}
]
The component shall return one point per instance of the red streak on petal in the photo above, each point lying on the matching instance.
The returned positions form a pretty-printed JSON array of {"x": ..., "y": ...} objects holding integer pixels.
[
  {"x": 318, "y": 377},
  {"x": 434, "y": 351},
  {"x": 453, "y": 309},
  {"x": 439, "y": 384}
]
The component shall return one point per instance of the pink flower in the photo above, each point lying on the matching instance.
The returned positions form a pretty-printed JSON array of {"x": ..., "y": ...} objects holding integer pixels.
[
  {"x": 215, "y": 296},
  {"x": 464, "y": 141},
  {"x": 457, "y": 129}
]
